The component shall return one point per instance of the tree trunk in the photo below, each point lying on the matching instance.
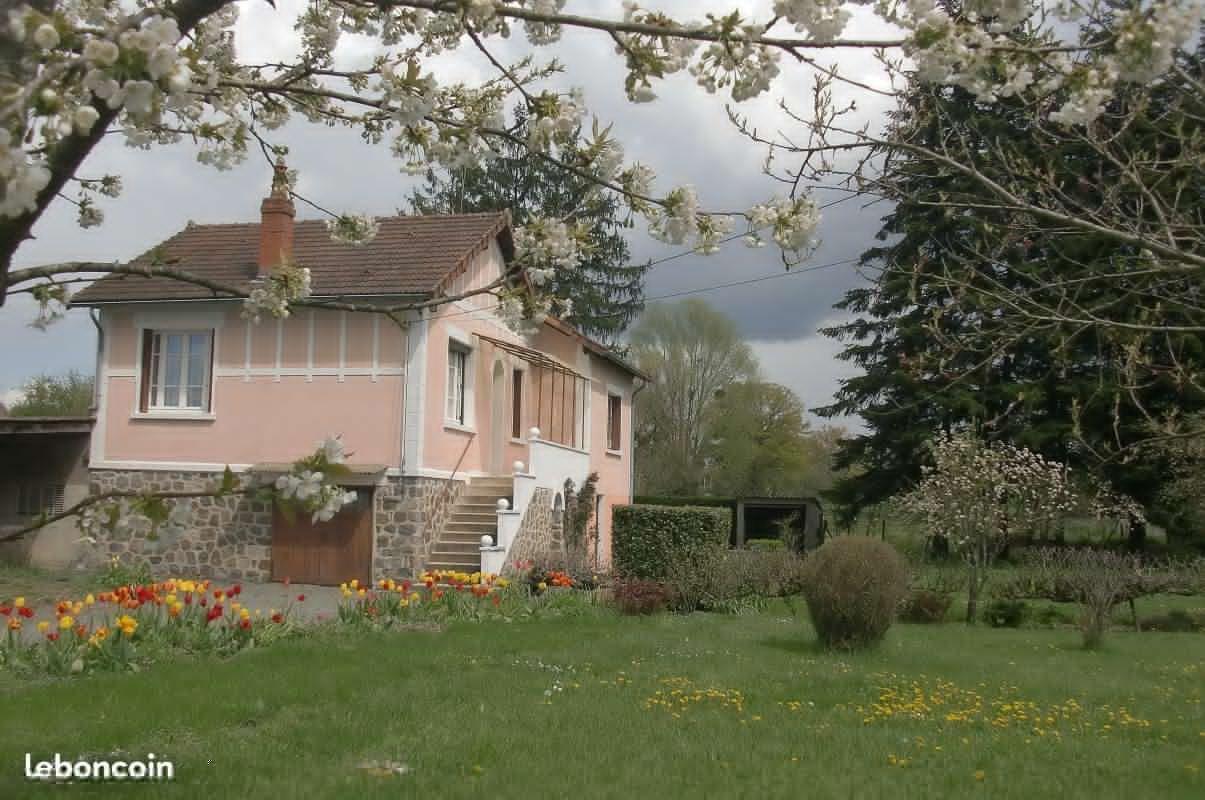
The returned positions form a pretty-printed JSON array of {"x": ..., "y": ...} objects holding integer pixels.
[
  {"x": 973, "y": 596},
  {"x": 1137, "y": 537}
]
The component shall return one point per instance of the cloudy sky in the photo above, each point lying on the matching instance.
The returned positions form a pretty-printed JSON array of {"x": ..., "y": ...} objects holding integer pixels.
[{"x": 685, "y": 135}]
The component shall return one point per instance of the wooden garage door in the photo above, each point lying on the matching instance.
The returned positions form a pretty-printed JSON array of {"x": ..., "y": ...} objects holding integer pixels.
[{"x": 326, "y": 553}]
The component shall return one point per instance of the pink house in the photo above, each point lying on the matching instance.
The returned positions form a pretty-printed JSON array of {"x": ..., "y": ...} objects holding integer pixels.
[{"x": 445, "y": 412}]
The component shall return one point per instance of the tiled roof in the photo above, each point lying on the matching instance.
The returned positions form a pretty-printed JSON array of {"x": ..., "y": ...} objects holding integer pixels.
[{"x": 409, "y": 255}]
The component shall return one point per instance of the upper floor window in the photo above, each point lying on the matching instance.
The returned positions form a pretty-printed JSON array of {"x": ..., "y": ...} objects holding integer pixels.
[
  {"x": 458, "y": 362},
  {"x": 177, "y": 370},
  {"x": 614, "y": 422}
]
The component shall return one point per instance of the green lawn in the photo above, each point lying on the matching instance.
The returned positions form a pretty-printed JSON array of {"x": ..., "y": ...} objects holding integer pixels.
[{"x": 561, "y": 707}]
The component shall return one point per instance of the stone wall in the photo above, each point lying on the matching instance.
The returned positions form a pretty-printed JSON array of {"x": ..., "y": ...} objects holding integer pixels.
[
  {"x": 540, "y": 533},
  {"x": 410, "y": 514},
  {"x": 228, "y": 538}
]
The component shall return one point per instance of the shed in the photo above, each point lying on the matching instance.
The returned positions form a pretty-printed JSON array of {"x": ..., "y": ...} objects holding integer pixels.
[{"x": 43, "y": 469}]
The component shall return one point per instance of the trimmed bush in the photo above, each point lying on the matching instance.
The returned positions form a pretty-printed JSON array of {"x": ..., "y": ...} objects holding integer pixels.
[
  {"x": 925, "y": 606},
  {"x": 1175, "y": 621},
  {"x": 853, "y": 586},
  {"x": 647, "y": 539},
  {"x": 1004, "y": 613},
  {"x": 635, "y": 596}
]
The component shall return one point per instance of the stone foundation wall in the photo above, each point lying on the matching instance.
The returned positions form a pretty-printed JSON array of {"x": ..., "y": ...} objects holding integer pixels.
[
  {"x": 410, "y": 514},
  {"x": 228, "y": 538},
  {"x": 540, "y": 533}
]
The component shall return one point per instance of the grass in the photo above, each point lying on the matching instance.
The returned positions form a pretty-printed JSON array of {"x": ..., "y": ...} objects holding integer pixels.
[
  {"x": 587, "y": 706},
  {"x": 39, "y": 585}
]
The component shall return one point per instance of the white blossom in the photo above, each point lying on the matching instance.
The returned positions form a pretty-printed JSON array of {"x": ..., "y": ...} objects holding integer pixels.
[
  {"x": 46, "y": 36},
  {"x": 354, "y": 229},
  {"x": 272, "y": 295},
  {"x": 792, "y": 222}
]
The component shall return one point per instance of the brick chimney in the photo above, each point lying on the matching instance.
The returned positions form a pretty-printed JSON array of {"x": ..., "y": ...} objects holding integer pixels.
[{"x": 276, "y": 226}]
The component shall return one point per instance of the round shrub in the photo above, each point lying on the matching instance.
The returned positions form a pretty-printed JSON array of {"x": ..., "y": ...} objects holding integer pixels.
[{"x": 853, "y": 586}]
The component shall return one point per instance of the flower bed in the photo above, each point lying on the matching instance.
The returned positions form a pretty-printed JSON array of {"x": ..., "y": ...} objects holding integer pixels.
[
  {"x": 135, "y": 625},
  {"x": 131, "y": 625}
]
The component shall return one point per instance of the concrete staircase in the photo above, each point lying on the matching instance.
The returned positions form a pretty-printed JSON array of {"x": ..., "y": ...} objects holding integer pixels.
[{"x": 475, "y": 513}]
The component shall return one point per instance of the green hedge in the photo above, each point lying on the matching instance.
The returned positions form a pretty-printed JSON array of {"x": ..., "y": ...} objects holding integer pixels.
[
  {"x": 707, "y": 501},
  {"x": 643, "y": 537}
]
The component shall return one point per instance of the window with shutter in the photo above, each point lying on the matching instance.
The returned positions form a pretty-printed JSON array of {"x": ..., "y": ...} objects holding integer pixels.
[{"x": 177, "y": 370}]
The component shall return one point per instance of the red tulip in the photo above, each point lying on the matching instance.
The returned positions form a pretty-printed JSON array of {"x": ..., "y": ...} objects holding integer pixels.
[
  {"x": 6, "y": 610},
  {"x": 53, "y": 636},
  {"x": 278, "y": 617},
  {"x": 25, "y": 611},
  {"x": 301, "y": 598},
  {"x": 237, "y": 589}
]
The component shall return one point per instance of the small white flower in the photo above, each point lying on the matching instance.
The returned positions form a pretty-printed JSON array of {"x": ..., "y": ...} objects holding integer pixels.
[
  {"x": 46, "y": 36},
  {"x": 84, "y": 118}
]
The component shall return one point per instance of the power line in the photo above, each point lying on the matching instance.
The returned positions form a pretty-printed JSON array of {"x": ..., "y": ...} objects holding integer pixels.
[
  {"x": 701, "y": 289},
  {"x": 748, "y": 281}
]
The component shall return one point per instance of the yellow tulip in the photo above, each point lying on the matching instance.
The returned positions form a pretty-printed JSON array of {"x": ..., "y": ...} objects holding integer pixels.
[
  {"x": 89, "y": 600},
  {"x": 19, "y": 602},
  {"x": 170, "y": 599},
  {"x": 43, "y": 626},
  {"x": 66, "y": 621}
]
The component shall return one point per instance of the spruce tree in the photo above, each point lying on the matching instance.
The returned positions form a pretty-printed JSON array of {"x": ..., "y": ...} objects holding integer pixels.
[{"x": 607, "y": 291}]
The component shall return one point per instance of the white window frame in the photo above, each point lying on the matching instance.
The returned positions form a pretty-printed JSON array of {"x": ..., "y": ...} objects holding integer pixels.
[
  {"x": 155, "y": 404},
  {"x": 457, "y": 395}
]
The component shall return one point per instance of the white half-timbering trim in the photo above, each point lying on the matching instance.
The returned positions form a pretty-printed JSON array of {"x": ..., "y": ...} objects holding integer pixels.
[
  {"x": 121, "y": 373},
  {"x": 168, "y": 466},
  {"x": 342, "y": 344},
  {"x": 415, "y": 400},
  {"x": 309, "y": 374},
  {"x": 96, "y": 447},
  {"x": 280, "y": 346},
  {"x": 309, "y": 352},
  {"x": 376, "y": 345},
  {"x": 177, "y": 319},
  {"x": 247, "y": 352}
]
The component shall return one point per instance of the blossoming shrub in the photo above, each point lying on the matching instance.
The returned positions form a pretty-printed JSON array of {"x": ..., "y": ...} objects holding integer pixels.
[
  {"x": 853, "y": 586},
  {"x": 645, "y": 539}
]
